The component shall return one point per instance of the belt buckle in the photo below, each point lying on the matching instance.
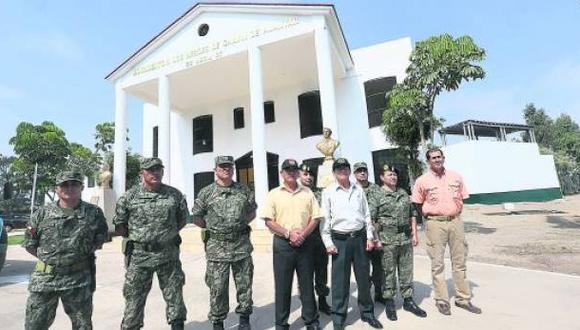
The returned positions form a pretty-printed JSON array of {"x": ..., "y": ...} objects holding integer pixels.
[{"x": 352, "y": 234}]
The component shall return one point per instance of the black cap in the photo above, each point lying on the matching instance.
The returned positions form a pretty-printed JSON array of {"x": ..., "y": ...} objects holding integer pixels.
[
  {"x": 340, "y": 162},
  {"x": 289, "y": 164}
]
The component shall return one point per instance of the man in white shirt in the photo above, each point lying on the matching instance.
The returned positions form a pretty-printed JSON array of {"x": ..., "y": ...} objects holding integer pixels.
[{"x": 347, "y": 233}]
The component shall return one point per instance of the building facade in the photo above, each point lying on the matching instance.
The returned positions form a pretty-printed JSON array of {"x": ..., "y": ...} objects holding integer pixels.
[{"x": 258, "y": 82}]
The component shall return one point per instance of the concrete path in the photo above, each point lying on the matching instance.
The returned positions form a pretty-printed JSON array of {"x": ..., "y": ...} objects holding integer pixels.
[{"x": 511, "y": 298}]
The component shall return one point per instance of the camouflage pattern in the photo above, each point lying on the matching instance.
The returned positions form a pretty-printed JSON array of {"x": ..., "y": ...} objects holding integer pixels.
[
  {"x": 398, "y": 259},
  {"x": 320, "y": 255},
  {"x": 147, "y": 163},
  {"x": 217, "y": 278},
  {"x": 137, "y": 285},
  {"x": 373, "y": 193},
  {"x": 225, "y": 211},
  {"x": 152, "y": 219},
  {"x": 63, "y": 239},
  {"x": 77, "y": 304},
  {"x": 393, "y": 214},
  {"x": 69, "y": 176}
]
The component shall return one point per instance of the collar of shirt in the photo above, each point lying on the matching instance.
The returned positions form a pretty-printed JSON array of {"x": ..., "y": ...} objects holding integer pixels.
[
  {"x": 299, "y": 187},
  {"x": 435, "y": 174}
]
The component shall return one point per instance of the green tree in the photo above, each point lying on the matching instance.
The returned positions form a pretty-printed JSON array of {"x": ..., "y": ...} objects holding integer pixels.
[
  {"x": 439, "y": 63},
  {"x": 105, "y": 139},
  {"x": 45, "y": 145},
  {"x": 542, "y": 124},
  {"x": 83, "y": 159}
]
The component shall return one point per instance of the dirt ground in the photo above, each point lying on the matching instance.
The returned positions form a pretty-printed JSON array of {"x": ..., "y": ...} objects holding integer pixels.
[{"x": 542, "y": 236}]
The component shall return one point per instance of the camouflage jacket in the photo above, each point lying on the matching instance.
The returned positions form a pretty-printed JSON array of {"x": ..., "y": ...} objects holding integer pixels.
[
  {"x": 373, "y": 192},
  {"x": 393, "y": 213},
  {"x": 63, "y": 238},
  {"x": 152, "y": 217},
  {"x": 225, "y": 211}
]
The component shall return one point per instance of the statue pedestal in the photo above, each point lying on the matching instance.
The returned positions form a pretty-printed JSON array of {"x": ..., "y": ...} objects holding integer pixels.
[
  {"x": 325, "y": 177},
  {"x": 104, "y": 197}
]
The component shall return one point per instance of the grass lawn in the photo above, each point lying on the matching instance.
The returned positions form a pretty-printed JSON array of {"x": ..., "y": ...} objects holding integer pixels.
[{"x": 15, "y": 239}]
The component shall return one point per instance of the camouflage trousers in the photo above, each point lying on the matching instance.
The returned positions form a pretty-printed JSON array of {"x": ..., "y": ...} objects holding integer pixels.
[
  {"x": 137, "y": 285},
  {"x": 217, "y": 278},
  {"x": 77, "y": 303},
  {"x": 398, "y": 263}
]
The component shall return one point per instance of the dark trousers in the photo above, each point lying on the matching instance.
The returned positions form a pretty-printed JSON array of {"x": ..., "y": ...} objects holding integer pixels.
[
  {"x": 378, "y": 272},
  {"x": 320, "y": 265},
  {"x": 287, "y": 260},
  {"x": 351, "y": 251}
]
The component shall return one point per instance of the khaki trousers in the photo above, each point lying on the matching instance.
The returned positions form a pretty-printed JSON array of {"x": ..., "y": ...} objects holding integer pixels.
[{"x": 439, "y": 234}]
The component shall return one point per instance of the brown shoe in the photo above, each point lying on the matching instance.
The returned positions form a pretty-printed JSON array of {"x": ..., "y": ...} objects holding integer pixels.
[
  {"x": 443, "y": 308},
  {"x": 469, "y": 307}
]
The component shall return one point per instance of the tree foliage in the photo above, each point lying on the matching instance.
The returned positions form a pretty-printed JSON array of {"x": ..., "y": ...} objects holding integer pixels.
[
  {"x": 45, "y": 145},
  {"x": 436, "y": 64},
  {"x": 83, "y": 159},
  {"x": 560, "y": 138}
]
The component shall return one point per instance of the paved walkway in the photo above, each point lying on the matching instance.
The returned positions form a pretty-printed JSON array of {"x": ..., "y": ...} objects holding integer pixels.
[{"x": 511, "y": 298}]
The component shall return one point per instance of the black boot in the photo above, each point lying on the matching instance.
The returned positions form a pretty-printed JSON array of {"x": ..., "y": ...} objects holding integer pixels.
[
  {"x": 323, "y": 306},
  {"x": 218, "y": 326},
  {"x": 390, "y": 309},
  {"x": 410, "y": 306},
  {"x": 177, "y": 325},
  {"x": 244, "y": 322}
]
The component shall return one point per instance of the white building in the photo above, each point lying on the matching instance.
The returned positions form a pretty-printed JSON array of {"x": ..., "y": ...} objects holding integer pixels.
[{"x": 258, "y": 82}]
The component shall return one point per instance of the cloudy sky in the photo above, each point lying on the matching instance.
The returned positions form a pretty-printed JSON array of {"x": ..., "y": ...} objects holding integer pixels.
[{"x": 54, "y": 55}]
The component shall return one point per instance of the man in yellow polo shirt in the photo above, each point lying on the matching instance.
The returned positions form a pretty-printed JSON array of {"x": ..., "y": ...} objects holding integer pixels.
[{"x": 291, "y": 213}]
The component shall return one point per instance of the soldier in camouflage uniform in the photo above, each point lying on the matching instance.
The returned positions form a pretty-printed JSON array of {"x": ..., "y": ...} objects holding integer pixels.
[
  {"x": 149, "y": 216},
  {"x": 320, "y": 255},
  {"x": 397, "y": 226},
  {"x": 64, "y": 236},
  {"x": 372, "y": 191},
  {"x": 224, "y": 209}
]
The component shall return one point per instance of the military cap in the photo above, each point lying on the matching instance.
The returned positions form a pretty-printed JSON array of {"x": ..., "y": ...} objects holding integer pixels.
[
  {"x": 290, "y": 164},
  {"x": 340, "y": 162},
  {"x": 65, "y": 176},
  {"x": 357, "y": 166},
  {"x": 147, "y": 163},
  {"x": 304, "y": 167},
  {"x": 224, "y": 160},
  {"x": 389, "y": 168}
]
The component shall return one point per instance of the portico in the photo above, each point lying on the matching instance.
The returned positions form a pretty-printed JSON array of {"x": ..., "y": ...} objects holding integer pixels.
[{"x": 248, "y": 56}]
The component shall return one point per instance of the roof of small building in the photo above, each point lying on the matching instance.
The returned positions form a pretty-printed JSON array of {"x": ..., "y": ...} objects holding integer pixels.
[{"x": 483, "y": 128}]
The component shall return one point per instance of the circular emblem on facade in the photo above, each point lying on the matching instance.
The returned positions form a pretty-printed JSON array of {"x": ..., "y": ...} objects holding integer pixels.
[{"x": 203, "y": 29}]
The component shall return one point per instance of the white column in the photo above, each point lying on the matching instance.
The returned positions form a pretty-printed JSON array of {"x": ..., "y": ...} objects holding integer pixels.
[
  {"x": 322, "y": 43},
  {"x": 258, "y": 126},
  {"x": 164, "y": 126},
  {"x": 120, "y": 147}
]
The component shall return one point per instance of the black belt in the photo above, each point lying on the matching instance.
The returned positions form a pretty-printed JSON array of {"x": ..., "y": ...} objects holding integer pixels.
[
  {"x": 157, "y": 246},
  {"x": 344, "y": 236},
  {"x": 232, "y": 235}
]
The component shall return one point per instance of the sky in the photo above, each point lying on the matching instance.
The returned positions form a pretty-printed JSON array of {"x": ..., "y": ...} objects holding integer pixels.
[{"x": 55, "y": 54}]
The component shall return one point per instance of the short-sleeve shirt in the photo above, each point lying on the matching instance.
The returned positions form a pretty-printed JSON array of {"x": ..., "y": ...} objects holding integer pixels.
[
  {"x": 152, "y": 217},
  {"x": 440, "y": 195},
  {"x": 64, "y": 237},
  {"x": 291, "y": 209},
  {"x": 225, "y": 211}
]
